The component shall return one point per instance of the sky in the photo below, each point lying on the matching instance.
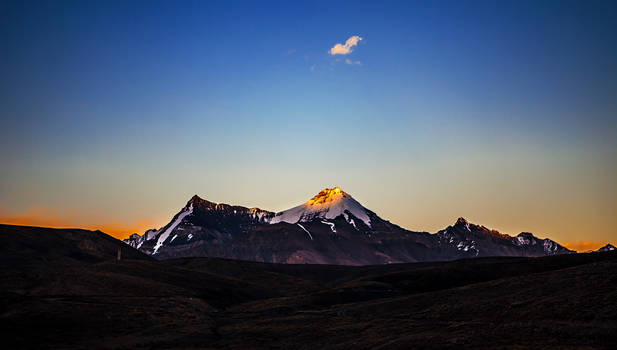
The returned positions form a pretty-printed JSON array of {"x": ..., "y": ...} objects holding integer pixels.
[{"x": 114, "y": 113}]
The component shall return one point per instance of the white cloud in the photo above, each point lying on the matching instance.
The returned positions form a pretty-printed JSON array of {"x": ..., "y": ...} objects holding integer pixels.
[
  {"x": 357, "y": 63},
  {"x": 340, "y": 49},
  {"x": 312, "y": 68}
]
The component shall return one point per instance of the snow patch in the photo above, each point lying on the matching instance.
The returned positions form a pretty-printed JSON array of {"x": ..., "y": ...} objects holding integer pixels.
[
  {"x": 521, "y": 240},
  {"x": 331, "y": 224},
  {"x": 550, "y": 247},
  {"x": 467, "y": 246},
  {"x": 171, "y": 227},
  {"x": 350, "y": 221},
  {"x": 305, "y": 230},
  {"x": 150, "y": 234},
  {"x": 353, "y": 223}
]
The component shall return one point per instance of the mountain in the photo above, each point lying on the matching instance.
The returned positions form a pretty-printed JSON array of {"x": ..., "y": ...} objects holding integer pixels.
[
  {"x": 198, "y": 222},
  {"x": 606, "y": 248},
  {"x": 478, "y": 240},
  {"x": 330, "y": 228}
]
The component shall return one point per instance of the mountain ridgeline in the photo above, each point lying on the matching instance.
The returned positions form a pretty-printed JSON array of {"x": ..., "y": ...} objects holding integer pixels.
[{"x": 330, "y": 228}]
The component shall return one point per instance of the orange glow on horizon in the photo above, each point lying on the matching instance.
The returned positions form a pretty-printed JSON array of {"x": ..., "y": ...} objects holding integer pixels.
[
  {"x": 584, "y": 246},
  {"x": 46, "y": 218}
]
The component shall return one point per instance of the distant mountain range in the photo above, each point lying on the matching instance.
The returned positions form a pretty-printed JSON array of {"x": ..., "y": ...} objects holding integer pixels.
[{"x": 330, "y": 228}]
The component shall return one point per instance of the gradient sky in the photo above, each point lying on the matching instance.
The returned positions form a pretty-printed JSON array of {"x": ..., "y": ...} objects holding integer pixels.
[{"x": 115, "y": 113}]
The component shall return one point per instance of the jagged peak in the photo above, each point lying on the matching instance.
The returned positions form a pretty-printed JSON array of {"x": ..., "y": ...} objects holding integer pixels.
[
  {"x": 464, "y": 224},
  {"x": 195, "y": 198},
  {"x": 196, "y": 201},
  {"x": 525, "y": 234},
  {"x": 461, "y": 221},
  {"x": 199, "y": 203}
]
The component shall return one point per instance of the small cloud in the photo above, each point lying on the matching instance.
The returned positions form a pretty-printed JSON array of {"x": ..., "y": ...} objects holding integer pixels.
[
  {"x": 291, "y": 52},
  {"x": 353, "y": 63},
  {"x": 312, "y": 68},
  {"x": 344, "y": 49}
]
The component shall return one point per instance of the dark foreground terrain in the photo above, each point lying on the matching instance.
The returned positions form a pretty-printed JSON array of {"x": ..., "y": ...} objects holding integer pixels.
[{"x": 65, "y": 289}]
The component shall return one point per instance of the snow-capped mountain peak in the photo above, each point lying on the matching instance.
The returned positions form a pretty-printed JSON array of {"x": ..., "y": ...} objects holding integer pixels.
[
  {"x": 328, "y": 195},
  {"x": 327, "y": 204}
]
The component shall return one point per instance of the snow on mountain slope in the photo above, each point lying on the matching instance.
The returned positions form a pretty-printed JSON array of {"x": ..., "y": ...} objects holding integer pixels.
[
  {"x": 327, "y": 204},
  {"x": 332, "y": 227},
  {"x": 170, "y": 229}
]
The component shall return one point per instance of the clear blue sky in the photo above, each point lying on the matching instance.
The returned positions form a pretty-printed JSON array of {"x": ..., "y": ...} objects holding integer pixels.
[{"x": 501, "y": 111}]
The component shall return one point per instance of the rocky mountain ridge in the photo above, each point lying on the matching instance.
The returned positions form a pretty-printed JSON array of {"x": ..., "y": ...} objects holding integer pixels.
[{"x": 330, "y": 228}]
